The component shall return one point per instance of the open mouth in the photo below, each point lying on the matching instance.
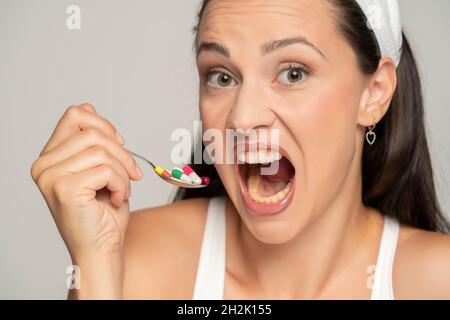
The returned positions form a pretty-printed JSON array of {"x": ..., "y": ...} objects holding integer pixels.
[{"x": 266, "y": 178}]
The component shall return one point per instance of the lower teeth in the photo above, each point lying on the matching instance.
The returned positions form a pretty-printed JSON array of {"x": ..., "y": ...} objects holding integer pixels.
[{"x": 253, "y": 184}]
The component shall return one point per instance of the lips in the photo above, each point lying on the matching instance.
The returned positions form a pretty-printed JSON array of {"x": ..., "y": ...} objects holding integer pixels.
[{"x": 265, "y": 192}]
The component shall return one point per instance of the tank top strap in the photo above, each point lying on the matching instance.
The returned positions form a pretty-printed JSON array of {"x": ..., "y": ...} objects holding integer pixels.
[
  {"x": 382, "y": 288},
  {"x": 210, "y": 278}
]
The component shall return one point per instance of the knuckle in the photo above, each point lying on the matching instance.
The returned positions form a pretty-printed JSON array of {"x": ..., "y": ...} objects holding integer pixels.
[
  {"x": 92, "y": 134},
  {"x": 34, "y": 170},
  {"x": 72, "y": 111},
  {"x": 87, "y": 104},
  {"x": 107, "y": 126},
  {"x": 107, "y": 169},
  {"x": 43, "y": 180},
  {"x": 99, "y": 152},
  {"x": 61, "y": 188}
]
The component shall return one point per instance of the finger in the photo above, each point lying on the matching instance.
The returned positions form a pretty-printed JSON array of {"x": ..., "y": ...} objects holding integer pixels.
[
  {"x": 78, "y": 118},
  {"x": 129, "y": 190},
  {"x": 97, "y": 178},
  {"x": 87, "y": 159},
  {"x": 82, "y": 141}
]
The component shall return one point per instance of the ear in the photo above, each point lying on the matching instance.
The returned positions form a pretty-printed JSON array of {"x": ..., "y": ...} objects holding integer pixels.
[{"x": 377, "y": 96}]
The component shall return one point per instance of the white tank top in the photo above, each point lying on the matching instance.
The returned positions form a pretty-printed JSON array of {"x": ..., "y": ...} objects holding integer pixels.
[{"x": 209, "y": 282}]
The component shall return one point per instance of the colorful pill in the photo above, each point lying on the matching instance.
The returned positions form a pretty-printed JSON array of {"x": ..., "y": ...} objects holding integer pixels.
[
  {"x": 178, "y": 173},
  {"x": 205, "y": 180},
  {"x": 162, "y": 172},
  {"x": 191, "y": 173}
]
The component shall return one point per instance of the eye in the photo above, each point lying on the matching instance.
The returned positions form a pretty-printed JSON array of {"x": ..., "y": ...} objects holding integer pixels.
[
  {"x": 293, "y": 75},
  {"x": 219, "y": 79}
]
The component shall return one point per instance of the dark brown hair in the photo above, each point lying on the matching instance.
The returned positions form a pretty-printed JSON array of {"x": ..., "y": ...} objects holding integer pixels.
[{"x": 397, "y": 174}]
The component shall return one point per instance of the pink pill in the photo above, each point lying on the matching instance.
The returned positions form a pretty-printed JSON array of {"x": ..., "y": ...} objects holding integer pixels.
[
  {"x": 191, "y": 173},
  {"x": 205, "y": 180},
  {"x": 187, "y": 170}
]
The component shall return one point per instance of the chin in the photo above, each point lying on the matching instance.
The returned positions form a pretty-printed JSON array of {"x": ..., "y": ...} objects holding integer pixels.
[
  {"x": 273, "y": 233},
  {"x": 266, "y": 203},
  {"x": 274, "y": 229}
]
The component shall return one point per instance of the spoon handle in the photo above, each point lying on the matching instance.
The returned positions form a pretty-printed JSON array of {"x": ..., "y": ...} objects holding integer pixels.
[{"x": 142, "y": 158}]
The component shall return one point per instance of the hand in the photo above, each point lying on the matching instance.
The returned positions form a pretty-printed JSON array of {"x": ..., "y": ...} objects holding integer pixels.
[{"x": 84, "y": 175}]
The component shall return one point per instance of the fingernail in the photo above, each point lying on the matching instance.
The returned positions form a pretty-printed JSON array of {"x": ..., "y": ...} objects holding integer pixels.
[{"x": 119, "y": 138}]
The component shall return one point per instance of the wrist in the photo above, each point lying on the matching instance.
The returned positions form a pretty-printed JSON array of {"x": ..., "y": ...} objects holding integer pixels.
[{"x": 98, "y": 277}]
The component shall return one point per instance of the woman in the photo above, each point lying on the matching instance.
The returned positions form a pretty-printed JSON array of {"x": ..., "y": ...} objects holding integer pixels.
[{"x": 358, "y": 217}]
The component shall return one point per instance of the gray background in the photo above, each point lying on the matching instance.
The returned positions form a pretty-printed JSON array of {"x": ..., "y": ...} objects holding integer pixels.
[{"x": 134, "y": 61}]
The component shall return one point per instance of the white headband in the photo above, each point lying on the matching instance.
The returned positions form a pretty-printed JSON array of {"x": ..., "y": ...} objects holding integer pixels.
[{"x": 383, "y": 17}]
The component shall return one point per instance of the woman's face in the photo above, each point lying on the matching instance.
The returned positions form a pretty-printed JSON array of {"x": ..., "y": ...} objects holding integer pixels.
[{"x": 284, "y": 65}]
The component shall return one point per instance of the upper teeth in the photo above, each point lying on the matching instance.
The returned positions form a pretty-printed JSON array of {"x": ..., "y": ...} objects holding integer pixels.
[{"x": 261, "y": 156}]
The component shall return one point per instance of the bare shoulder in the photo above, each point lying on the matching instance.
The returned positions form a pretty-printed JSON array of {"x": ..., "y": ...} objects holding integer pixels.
[
  {"x": 422, "y": 265},
  {"x": 161, "y": 250}
]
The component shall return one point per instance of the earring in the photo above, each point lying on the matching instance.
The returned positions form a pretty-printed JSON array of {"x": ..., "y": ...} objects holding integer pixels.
[{"x": 370, "y": 135}]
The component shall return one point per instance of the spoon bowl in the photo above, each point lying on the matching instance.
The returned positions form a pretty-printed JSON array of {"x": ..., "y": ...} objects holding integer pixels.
[
  {"x": 171, "y": 180},
  {"x": 182, "y": 184}
]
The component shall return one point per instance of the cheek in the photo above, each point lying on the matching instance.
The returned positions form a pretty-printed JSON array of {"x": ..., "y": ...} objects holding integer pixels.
[
  {"x": 210, "y": 115},
  {"x": 213, "y": 113},
  {"x": 323, "y": 122}
]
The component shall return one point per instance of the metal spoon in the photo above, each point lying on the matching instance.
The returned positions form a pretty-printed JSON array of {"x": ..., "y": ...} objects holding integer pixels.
[{"x": 170, "y": 180}]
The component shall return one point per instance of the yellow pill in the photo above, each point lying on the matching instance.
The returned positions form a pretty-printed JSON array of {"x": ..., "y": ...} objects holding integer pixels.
[{"x": 162, "y": 172}]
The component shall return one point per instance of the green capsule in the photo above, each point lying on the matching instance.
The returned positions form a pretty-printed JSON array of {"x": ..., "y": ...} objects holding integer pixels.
[{"x": 177, "y": 173}]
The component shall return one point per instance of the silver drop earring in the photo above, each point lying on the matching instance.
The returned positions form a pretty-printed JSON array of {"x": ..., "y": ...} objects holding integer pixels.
[{"x": 370, "y": 135}]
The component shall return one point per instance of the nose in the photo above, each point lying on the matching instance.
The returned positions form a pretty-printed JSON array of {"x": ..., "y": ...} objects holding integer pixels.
[{"x": 251, "y": 110}]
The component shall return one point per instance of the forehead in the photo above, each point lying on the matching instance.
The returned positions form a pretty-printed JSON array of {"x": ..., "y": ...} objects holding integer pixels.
[{"x": 248, "y": 21}]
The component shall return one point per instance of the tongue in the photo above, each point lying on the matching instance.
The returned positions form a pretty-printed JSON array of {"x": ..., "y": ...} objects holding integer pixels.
[{"x": 284, "y": 174}]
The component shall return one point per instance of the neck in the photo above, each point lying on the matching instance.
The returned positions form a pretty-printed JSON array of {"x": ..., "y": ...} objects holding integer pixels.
[{"x": 321, "y": 253}]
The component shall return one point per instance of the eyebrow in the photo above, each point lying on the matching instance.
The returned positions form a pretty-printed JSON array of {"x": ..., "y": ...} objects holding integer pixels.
[{"x": 265, "y": 49}]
